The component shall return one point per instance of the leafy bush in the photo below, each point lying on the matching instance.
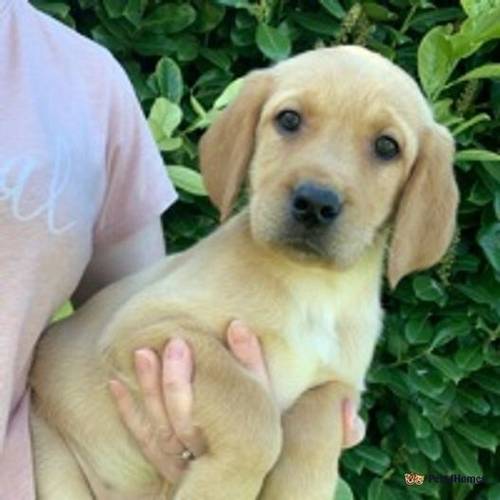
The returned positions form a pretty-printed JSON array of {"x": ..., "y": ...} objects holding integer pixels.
[{"x": 433, "y": 400}]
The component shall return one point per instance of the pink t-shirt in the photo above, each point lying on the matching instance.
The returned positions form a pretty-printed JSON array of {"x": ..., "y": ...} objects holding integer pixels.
[{"x": 78, "y": 171}]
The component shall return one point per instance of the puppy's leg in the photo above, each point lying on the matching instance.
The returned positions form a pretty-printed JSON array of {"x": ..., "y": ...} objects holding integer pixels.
[
  {"x": 57, "y": 474},
  {"x": 312, "y": 441}
]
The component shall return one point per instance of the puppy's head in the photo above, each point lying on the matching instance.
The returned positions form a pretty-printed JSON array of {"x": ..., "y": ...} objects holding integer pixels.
[{"x": 336, "y": 143}]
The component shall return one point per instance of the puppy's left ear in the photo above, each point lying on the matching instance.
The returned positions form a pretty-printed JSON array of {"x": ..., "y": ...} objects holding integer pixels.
[
  {"x": 425, "y": 218},
  {"x": 226, "y": 148}
]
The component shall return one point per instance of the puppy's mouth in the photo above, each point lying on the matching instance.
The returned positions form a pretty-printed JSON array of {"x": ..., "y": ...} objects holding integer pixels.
[
  {"x": 305, "y": 246},
  {"x": 308, "y": 244}
]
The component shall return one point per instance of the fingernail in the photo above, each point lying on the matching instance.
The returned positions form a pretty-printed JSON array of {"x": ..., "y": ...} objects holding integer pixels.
[
  {"x": 142, "y": 359},
  {"x": 176, "y": 349},
  {"x": 239, "y": 333},
  {"x": 349, "y": 409}
]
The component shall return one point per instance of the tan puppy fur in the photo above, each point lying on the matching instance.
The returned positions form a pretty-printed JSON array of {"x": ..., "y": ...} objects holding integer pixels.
[{"x": 313, "y": 302}]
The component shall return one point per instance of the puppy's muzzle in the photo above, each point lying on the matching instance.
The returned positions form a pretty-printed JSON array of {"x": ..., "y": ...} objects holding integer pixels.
[{"x": 315, "y": 206}]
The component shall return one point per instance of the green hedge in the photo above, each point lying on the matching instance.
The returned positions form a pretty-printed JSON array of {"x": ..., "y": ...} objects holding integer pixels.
[{"x": 433, "y": 400}]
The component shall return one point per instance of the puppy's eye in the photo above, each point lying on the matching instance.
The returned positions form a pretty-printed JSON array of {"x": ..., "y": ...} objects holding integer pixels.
[
  {"x": 386, "y": 148},
  {"x": 288, "y": 121}
]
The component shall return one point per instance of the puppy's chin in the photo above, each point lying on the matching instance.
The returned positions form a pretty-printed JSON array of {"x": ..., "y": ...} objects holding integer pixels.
[
  {"x": 310, "y": 252},
  {"x": 327, "y": 249}
]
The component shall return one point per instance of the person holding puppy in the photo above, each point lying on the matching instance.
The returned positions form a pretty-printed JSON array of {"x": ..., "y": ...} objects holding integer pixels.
[{"x": 82, "y": 188}]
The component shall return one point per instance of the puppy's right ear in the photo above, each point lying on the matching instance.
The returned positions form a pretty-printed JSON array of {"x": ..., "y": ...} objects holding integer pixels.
[{"x": 226, "y": 148}]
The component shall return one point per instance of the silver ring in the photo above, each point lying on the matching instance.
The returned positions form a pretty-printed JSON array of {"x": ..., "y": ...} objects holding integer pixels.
[{"x": 187, "y": 455}]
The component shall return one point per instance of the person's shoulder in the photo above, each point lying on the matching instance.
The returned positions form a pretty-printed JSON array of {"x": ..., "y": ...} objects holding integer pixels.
[{"x": 73, "y": 46}]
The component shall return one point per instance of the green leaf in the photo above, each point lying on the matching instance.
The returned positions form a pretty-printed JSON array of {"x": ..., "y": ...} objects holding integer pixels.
[
  {"x": 475, "y": 32},
  {"x": 478, "y": 293},
  {"x": 396, "y": 344},
  {"x": 450, "y": 329},
  {"x": 477, "y": 436},
  {"x": 444, "y": 114},
  {"x": 210, "y": 15},
  {"x": 497, "y": 205},
  {"x": 417, "y": 463},
  {"x": 375, "y": 459},
  {"x": 352, "y": 462},
  {"x": 188, "y": 47},
  {"x": 428, "y": 289},
  {"x": 187, "y": 179},
  {"x": 435, "y": 61},
  {"x": 433, "y": 16},
  {"x": 486, "y": 71},
  {"x": 343, "y": 491},
  {"x": 317, "y": 23},
  {"x": 56, "y": 9},
  {"x": 493, "y": 169},
  {"x": 481, "y": 117},
  {"x": 164, "y": 118},
  {"x": 426, "y": 381},
  {"x": 217, "y": 57},
  {"x": 463, "y": 455},
  {"x": 334, "y": 8},
  {"x": 378, "y": 12},
  {"x": 420, "y": 424},
  {"x": 63, "y": 312},
  {"x": 476, "y": 155},
  {"x": 470, "y": 358},
  {"x": 272, "y": 42},
  {"x": 494, "y": 492},
  {"x": 446, "y": 367},
  {"x": 488, "y": 381},
  {"x": 169, "y": 78},
  {"x": 229, "y": 94},
  {"x": 170, "y": 17},
  {"x": 239, "y": 4},
  {"x": 115, "y": 8},
  {"x": 379, "y": 491},
  {"x": 397, "y": 380},
  {"x": 153, "y": 44},
  {"x": 134, "y": 11},
  {"x": 479, "y": 195},
  {"x": 492, "y": 355},
  {"x": 431, "y": 446},
  {"x": 489, "y": 241},
  {"x": 473, "y": 400},
  {"x": 418, "y": 331},
  {"x": 475, "y": 7}
]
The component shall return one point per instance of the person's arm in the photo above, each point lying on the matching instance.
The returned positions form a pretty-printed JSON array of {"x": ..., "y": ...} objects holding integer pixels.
[{"x": 112, "y": 262}]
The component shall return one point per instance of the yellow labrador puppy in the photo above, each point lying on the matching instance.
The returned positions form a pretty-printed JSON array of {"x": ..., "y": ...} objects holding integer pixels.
[{"x": 338, "y": 145}]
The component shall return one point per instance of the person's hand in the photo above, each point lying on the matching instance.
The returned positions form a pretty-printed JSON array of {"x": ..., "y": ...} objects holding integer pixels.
[{"x": 163, "y": 425}]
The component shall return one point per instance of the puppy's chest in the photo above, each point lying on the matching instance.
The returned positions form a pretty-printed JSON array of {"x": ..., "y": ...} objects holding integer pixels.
[{"x": 305, "y": 353}]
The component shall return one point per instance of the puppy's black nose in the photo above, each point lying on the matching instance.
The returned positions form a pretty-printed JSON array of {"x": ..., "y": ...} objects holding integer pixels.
[{"x": 314, "y": 205}]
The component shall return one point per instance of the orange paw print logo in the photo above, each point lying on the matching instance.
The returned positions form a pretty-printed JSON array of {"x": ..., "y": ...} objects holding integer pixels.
[{"x": 412, "y": 478}]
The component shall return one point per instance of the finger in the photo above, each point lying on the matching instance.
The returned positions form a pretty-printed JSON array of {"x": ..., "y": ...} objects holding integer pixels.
[
  {"x": 170, "y": 468},
  {"x": 354, "y": 427},
  {"x": 246, "y": 348},
  {"x": 178, "y": 393},
  {"x": 149, "y": 375}
]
